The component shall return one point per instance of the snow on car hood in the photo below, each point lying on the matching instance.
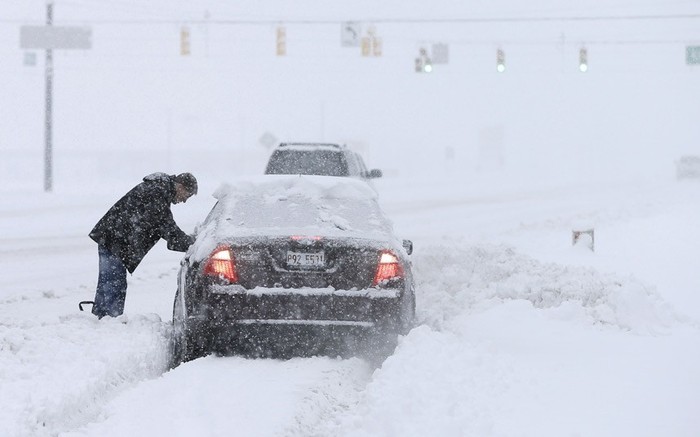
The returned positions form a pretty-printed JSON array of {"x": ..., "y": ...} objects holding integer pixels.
[{"x": 284, "y": 205}]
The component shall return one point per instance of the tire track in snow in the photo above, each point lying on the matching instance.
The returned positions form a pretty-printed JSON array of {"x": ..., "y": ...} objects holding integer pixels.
[
  {"x": 223, "y": 396},
  {"x": 335, "y": 396}
]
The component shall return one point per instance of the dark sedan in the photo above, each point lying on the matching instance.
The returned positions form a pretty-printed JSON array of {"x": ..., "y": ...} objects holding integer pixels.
[{"x": 293, "y": 265}]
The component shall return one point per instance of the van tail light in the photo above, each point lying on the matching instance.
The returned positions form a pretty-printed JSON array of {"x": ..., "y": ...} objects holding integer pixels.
[
  {"x": 388, "y": 268},
  {"x": 222, "y": 264}
]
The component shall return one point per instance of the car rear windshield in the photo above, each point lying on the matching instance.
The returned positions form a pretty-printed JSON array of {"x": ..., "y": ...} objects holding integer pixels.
[
  {"x": 253, "y": 215},
  {"x": 272, "y": 206},
  {"x": 311, "y": 162}
]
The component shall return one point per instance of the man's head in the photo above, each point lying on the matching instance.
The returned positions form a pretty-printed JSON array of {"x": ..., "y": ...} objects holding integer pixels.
[{"x": 185, "y": 187}]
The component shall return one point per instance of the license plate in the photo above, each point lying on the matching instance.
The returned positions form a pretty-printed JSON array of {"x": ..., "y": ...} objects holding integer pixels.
[{"x": 306, "y": 259}]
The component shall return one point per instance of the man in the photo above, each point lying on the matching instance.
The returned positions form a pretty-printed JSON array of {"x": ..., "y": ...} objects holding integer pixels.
[{"x": 131, "y": 228}]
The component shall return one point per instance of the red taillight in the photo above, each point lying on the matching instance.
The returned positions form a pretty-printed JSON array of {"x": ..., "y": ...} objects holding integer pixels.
[
  {"x": 388, "y": 268},
  {"x": 221, "y": 263}
]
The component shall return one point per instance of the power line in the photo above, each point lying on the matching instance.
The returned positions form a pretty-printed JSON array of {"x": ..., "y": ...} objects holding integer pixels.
[{"x": 383, "y": 20}]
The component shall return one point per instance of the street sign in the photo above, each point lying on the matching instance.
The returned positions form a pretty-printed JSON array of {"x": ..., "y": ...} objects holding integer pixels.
[
  {"x": 55, "y": 37},
  {"x": 692, "y": 55},
  {"x": 350, "y": 34}
]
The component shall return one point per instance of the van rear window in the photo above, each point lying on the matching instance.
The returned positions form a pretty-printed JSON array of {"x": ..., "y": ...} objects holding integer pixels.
[{"x": 311, "y": 162}]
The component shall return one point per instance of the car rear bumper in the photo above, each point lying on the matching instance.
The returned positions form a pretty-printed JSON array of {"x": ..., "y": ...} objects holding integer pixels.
[
  {"x": 304, "y": 323},
  {"x": 305, "y": 308},
  {"x": 372, "y": 293},
  {"x": 271, "y": 338},
  {"x": 297, "y": 321}
]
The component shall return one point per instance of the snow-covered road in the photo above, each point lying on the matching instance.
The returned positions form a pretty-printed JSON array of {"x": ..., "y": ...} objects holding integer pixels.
[{"x": 519, "y": 333}]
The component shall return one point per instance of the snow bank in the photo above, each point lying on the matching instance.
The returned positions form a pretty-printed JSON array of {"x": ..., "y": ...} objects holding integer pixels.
[
  {"x": 434, "y": 385},
  {"x": 457, "y": 280},
  {"x": 56, "y": 376},
  {"x": 506, "y": 347},
  {"x": 512, "y": 371}
]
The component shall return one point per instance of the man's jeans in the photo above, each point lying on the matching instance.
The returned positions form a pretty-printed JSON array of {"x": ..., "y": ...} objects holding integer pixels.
[{"x": 111, "y": 285}]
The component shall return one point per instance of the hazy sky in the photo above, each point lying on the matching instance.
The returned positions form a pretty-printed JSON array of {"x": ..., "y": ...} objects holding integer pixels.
[{"x": 632, "y": 113}]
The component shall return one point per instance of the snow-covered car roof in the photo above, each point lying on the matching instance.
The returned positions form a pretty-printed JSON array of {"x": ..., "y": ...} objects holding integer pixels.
[{"x": 286, "y": 205}]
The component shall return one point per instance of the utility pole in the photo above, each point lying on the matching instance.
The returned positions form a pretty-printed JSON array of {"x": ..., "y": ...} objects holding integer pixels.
[
  {"x": 48, "y": 121},
  {"x": 50, "y": 37}
]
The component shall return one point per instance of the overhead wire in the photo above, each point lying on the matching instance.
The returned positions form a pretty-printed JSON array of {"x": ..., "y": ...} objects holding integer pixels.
[
  {"x": 381, "y": 20},
  {"x": 178, "y": 19}
]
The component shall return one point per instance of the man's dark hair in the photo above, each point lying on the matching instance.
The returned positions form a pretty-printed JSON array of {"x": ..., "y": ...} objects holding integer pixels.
[{"x": 188, "y": 181}]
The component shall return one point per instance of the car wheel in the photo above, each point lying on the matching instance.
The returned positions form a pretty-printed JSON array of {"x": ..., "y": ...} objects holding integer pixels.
[{"x": 187, "y": 340}]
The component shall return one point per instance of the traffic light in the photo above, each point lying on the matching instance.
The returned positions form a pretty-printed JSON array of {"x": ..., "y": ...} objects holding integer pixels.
[
  {"x": 184, "y": 41},
  {"x": 281, "y": 41},
  {"x": 583, "y": 60},
  {"x": 500, "y": 61},
  {"x": 366, "y": 46},
  {"x": 376, "y": 46},
  {"x": 423, "y": 62},
  {"x": 371, "y": 44}
]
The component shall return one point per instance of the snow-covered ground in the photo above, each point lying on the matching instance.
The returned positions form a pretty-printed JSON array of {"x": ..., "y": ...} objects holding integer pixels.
[{"x": 519, "y": 332}]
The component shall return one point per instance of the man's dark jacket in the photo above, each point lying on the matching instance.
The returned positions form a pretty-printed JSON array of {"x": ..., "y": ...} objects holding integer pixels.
[{"x": 139, "y": 219}]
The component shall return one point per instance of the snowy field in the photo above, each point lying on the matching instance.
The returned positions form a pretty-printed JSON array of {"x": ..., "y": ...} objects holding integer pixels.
[{"x": 518, "y": 333}]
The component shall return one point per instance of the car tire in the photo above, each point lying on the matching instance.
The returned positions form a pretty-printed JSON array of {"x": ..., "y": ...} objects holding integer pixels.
[{"x": 188, "y": 341}]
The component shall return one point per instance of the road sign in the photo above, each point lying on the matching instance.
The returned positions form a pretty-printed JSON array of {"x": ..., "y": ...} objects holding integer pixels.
[
  {"x": 692, "y": 55},
  {"x": 350, "y": 34},
  {"x": 55, "y": 37}
]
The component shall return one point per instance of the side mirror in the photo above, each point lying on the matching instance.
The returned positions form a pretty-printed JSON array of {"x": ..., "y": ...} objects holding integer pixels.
[
  {"x": 374, "y": 173},
  {"x": 408, "y": 245}
]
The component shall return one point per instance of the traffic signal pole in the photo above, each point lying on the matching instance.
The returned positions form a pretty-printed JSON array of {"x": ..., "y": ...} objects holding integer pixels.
[{"x": 48, "y": 121}]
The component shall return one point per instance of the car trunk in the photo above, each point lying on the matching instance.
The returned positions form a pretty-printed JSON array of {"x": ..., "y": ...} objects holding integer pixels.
[{"x": 312, "y": 262}]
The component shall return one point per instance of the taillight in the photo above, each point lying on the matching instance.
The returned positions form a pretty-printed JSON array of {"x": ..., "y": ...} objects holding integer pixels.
[
  {"x": 388, "y": 268},
  {"x": 222, "y": 264}
]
